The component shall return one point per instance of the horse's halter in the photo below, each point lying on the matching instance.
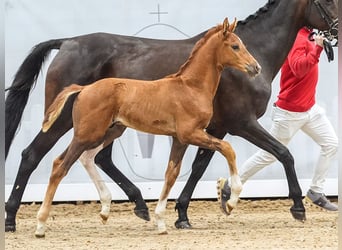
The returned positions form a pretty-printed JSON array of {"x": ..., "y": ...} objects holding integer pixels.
[{"x": 332, "y": 33}]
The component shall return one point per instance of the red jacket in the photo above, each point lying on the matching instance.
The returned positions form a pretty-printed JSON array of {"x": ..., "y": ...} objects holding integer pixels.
[{"x": 299, "y": 75}]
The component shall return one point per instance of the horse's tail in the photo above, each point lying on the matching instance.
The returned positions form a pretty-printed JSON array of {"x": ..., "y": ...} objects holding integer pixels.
[
  {"x": 57, "y": 106},
  {"x": 23, "y": 82}
]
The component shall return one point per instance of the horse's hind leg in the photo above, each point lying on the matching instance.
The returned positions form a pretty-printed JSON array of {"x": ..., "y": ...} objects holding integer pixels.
[
  {"x": 175, "y": 161},
  {"x": 87, "y": 159},
  {"x": 61, "y": 166},
  {"x": 107, "y": 165},
  {"x": 30, "y": 159},
  {"x": 104, "y": 161}
]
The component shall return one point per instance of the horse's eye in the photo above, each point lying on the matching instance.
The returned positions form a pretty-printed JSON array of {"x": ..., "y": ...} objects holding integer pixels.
[{"x": 235, "y": 47}]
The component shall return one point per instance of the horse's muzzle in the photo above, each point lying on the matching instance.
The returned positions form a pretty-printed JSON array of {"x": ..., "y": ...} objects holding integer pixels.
[{"x": 253, "y": 69}]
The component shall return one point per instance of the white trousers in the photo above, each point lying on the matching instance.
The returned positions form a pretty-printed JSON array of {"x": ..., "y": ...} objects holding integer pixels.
[{"x": 285, "y": 125}]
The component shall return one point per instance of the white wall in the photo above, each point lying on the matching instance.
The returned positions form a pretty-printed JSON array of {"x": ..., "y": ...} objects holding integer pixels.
[{"x": 28, "y": 22}]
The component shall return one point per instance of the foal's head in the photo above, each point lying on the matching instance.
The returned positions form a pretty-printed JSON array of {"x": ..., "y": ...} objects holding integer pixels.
[{"x": 233, "y": 53}]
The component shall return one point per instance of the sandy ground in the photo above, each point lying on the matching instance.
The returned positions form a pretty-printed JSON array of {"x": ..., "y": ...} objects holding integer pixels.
[{"x": 257, "y": 224}]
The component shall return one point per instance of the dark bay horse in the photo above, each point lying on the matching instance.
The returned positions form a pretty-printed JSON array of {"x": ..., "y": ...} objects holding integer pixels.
[
  {"x": 179, "y": 105},
  {"x": 269, "y": 34}
]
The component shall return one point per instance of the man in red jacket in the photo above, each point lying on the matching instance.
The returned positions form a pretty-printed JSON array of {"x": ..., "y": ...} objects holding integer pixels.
[{"x": 295, "y": 110}]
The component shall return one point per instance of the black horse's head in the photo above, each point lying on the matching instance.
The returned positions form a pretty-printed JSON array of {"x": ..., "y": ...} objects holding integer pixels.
[{"x": 323, "y": 15}]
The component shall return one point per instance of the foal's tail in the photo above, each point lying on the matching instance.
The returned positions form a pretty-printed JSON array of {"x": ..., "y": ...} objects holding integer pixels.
[
  {"x": 23, "y": 82},
  {"x": 57, "y": 106}
]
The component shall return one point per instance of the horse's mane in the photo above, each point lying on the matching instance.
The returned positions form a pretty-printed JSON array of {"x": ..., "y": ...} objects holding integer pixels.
[
  {"x": 258, "y": 12},
  {"x": 213, "y": 30},
  {"x": 197, "y": 46}
]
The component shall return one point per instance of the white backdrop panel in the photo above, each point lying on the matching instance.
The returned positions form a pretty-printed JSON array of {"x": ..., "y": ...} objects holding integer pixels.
[{"x": 143, "y": 157}]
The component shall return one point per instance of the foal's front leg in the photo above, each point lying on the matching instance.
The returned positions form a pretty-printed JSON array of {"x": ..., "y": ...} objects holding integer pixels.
[
  {"x": 175, "y": 161},
  {"x": 202, "y": 139}
]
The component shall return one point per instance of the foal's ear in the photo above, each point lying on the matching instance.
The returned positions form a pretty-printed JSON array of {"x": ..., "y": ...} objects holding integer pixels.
[
  {"x": 233, "y": 25},
  {"x": 225, "y": 27}
]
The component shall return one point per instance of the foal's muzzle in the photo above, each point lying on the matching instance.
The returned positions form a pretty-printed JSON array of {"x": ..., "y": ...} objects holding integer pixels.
[{"x": 253, "y": 69}]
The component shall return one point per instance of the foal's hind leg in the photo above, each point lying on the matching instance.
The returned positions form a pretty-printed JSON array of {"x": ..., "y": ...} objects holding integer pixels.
[
  {"x": 87, "y": 159},
  {"x": 60, "y": 168},
  {"x": 175, "y": 161},
  {"x": 200, "y": 138}
]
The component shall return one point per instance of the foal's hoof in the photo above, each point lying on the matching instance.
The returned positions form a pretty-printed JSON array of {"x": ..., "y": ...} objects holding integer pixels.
[
  {"x": 10, "y": 228},
  {"x": 161, "y": 226},
  {"x": 104, "y": 218},
  {"x": 39, "y": 233},
  {"x": 298, "y": 214},
  {"x": 162, "y": 232},
  {"x": 223, "y": 195},
  {"x": 143, "y": 214},
  {"x": 40, "y": 230},
  {"x": 39, "y": 236},
  {"x": 185, "y": 224}
]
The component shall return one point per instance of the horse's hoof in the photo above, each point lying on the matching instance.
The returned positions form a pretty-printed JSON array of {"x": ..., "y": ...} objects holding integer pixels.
[
  {"x": 142, "y": 214},
  {"x": 10, "y": 228},
  {"x": 223, "y": 195},
  {"x": 185, "y": 224},
  {"x": 298, "y": 214},
  {"x": 104, "y": 218}
]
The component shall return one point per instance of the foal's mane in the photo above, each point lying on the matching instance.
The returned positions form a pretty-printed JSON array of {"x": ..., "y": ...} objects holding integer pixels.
[
  {"x": 258, "y": 12},
  {"x": 197, "y": 46}
]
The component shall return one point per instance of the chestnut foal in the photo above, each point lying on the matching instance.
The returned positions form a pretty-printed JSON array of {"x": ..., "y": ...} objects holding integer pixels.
[{"x": 179, "y": 105}]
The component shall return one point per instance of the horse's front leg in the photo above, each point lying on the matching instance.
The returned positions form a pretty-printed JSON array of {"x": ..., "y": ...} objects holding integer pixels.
[
  {"x": 257, "y": 135},
  {"x": 175, "y": 161},
  {"x": 87, "y": 159},
  {"x": 199, "y": 166}
]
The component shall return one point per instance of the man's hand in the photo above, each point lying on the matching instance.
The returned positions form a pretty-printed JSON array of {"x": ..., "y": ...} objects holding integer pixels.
[{"x": 319, "y": 39}]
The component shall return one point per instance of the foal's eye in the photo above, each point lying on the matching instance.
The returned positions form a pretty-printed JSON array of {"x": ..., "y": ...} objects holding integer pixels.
[{"x": 235, "y": 47}]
